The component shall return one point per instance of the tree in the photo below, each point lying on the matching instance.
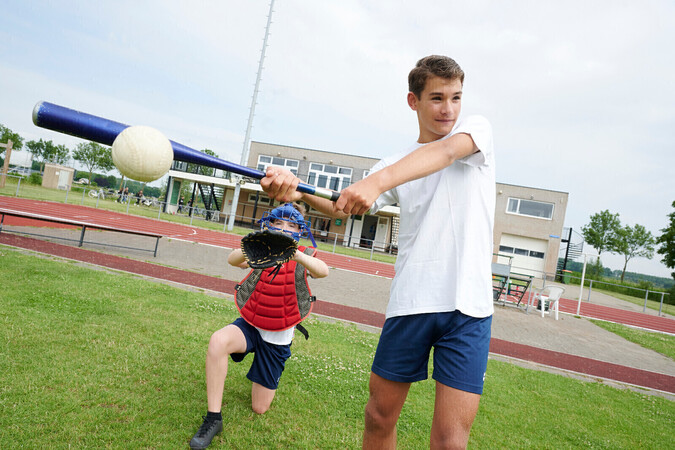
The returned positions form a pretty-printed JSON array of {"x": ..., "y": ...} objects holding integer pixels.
[
  {"x": 631, "y": 242},
  {"x": 94, "y": 156},
  {"x": 601, "y": 232},
  {"x": 667, "y": 243},
  {"x": 61, "y": 155},
  {"x": 46, "y": 151},
  {"x": 7, "y": 134}
]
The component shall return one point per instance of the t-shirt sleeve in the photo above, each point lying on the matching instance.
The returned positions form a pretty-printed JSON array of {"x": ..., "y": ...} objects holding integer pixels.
[
  {"x": 480, "y": 130},
  {"x": 386, "y": 198}
]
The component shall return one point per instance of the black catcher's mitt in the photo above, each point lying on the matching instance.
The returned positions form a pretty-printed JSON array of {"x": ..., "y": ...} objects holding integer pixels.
[{"x": 267, "y": 248}]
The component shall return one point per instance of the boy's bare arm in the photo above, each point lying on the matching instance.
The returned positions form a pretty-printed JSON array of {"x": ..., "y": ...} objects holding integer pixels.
[
  {"x": 359, "y": 197},
  {"x": 237, "y": 259},
  {"x": 280, "y": 184},
  {"x": 315, "y": 267}
]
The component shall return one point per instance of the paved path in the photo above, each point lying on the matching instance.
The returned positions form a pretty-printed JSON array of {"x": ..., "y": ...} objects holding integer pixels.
[{"x": 359, "y": 294}]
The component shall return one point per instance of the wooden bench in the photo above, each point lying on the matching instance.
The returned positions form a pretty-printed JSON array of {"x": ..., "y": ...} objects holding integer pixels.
[{"x": 9, "y": 212}]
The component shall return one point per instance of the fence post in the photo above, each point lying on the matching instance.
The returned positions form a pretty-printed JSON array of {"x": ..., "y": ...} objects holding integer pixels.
[
  {"x": 581, "y": 286},
  {"x": 66, "y": 200},
  {"x": 661, "y": 304},
  {"x": 128, "y": 203},
  {"x": 335, "y": 242},
  {"x": 644, "y": 308},
  {"x": 84, "y": 191},
  {"x": 372, "y": 248},
  {"x": 18, "y": 185},
  {"x": 590, "y": 288}
]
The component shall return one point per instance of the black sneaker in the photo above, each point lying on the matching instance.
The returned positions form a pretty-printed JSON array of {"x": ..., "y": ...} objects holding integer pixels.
[{"x": 206, "y": 433}]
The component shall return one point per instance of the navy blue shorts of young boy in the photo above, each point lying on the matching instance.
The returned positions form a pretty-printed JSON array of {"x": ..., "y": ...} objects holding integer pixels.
[
  {"x": 461, "y": 345},
  {"x": 268, "y": 359}
]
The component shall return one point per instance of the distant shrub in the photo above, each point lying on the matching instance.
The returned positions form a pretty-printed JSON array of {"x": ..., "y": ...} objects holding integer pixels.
[{"x": 35, "y": 178}]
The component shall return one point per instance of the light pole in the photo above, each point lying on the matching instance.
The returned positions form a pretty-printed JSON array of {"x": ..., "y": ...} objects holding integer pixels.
[{"x": 247, "y": 138}]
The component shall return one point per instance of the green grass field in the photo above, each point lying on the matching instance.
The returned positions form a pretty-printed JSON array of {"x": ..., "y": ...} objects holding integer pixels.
[
  {"x": 659, "y": 342},
  {"x": 93, "y": 358}
]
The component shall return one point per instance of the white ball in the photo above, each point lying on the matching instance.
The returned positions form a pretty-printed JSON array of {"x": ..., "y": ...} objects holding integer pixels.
[{"x": 142, "y": 153}]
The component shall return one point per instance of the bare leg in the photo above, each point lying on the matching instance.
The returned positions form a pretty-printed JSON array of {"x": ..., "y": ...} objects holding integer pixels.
[
  {"x": 382, "y": 412},
  {"x": 261, "y": 398},
  {"x": 454, "y": 413},
  {"x": 223, "y": 342}
]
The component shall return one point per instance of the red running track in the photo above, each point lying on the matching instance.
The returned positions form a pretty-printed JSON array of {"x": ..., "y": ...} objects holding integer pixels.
[
  {"x": 167, "y": 229},
  {"x": 221, "y": 239},
  {"x": 617, "y": 315}
]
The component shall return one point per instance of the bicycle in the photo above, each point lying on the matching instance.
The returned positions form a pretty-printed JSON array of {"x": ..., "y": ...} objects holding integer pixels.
[{"x": 97, "y": 194}]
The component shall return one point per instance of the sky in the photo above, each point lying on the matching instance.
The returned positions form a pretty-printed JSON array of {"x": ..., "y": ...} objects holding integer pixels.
[{"x": 580, "y": 94}]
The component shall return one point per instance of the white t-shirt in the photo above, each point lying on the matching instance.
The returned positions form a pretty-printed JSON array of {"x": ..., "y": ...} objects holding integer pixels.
[
  {"x": 283, "y": 337},
  {"x": 445, "y": 235}
]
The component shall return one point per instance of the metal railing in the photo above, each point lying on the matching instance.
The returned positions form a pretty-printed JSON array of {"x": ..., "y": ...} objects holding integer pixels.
[
  {"x": 650, "y": 301},
  {"x": 153, "y": 208}
]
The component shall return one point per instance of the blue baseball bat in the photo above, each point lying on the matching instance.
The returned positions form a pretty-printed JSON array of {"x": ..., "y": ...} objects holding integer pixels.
[{"x": 97, "y": 129}]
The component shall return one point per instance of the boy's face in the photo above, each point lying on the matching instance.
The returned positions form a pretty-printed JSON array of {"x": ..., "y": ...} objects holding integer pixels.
[
  {"x": 437, "y": 108},
  {"x": 285, "y": 225}
]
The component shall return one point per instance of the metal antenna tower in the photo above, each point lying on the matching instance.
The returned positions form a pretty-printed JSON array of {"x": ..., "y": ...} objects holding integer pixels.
[{"x": 247, "y": 138}]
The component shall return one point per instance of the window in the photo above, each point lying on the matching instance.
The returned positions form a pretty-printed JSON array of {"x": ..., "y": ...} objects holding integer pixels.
[
  {"x": 329, "y": 176},
  {"x": 179, "y": 165},
  {"x": 521, "y": 252},
  {"x": 262, "y": 199},
  {"x": 264, "y": 161},
  {"x": 529, "y": 208}
]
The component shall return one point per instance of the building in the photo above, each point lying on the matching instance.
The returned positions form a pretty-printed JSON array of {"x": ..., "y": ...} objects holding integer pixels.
[
  {"x": 528, "y": 221},
  {"x": 57, "y": 176},
  {"x": 528, "y": 228}
]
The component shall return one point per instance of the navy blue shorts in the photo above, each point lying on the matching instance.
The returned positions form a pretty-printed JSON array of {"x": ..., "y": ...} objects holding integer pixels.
[
  {"x": 461, "y": 345},
  {"x": 268, "y": 359}
]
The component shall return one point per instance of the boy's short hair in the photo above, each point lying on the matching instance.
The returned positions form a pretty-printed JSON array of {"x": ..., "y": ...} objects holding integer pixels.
[{"x": 434, "y": 65}]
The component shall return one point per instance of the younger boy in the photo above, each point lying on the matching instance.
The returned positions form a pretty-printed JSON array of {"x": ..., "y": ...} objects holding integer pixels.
[{"x": 268, "y": 338}]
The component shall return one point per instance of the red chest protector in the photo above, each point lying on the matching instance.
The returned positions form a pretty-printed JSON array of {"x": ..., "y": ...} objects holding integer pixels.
[{"x": 276, "y": 302}]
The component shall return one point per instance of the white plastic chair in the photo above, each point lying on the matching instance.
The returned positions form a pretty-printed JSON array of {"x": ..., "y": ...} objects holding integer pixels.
[{"x": 549, "y": 299}]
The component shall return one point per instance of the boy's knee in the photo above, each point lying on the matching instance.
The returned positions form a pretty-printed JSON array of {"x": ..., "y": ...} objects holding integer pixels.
[
  {"x": 457, "y": 439},
  {"x": 261, "y": 398},
  {"x": 378, "y": 420},
  {"x": 218, "y": 343},
  {"x": 260, "y": 404},
  {"x": 451, "y": 435},
  {"x": 260, "y": 408}
]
